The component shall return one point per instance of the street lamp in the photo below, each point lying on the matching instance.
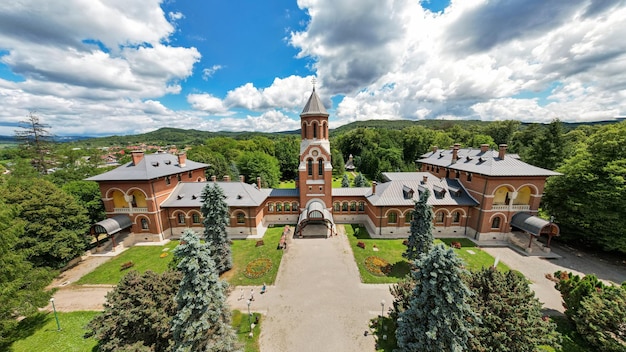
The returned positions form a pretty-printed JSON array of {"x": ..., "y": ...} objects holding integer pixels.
[
  {"x": 382, "y": 313},
  {"x": 55, "y": 314},
  {"x": 249, "y": 314}
]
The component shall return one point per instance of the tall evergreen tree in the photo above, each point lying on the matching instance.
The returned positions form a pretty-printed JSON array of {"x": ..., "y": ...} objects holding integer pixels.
[
  {"x": 359, "y": 180},
  {"x": 439, "y": 317},
  {"x": 215, "y": 212},
  {"x": 601, "y": 319},
  {"x": 511, "y": 317},
  {"x": 203, "y": 319},
  {"x": 345, "y": 182},
  {"x": 421, "y": 238},
  {"x": 549, "y": 148},
  {"x": 36, "y": 140}
]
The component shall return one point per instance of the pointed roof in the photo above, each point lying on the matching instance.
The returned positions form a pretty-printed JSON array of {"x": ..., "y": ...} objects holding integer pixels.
[{"x": 314, "y": 106}]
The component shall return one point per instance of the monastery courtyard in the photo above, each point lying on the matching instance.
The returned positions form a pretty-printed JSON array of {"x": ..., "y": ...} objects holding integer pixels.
[{"x": 319, "y": 302}]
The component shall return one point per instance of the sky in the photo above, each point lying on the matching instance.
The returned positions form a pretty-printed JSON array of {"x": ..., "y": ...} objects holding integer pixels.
[{"x": 104, "y": 67}]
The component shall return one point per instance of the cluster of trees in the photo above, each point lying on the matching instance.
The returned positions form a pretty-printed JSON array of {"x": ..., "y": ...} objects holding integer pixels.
[
  {"x": 442, "y": 307},
  {"x": 598, "y": 311},
  {"x": 183, "y": 309}
]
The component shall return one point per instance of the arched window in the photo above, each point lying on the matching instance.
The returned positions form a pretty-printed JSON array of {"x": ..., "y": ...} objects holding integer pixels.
[
  {"x": 392, "y": 217},
  {"x": 361, "y": 206},
  {"x": 294, "y": 206},
  {"x": 279, "y": 207},
  {"x": 320, "y": 167},
  {"x": 167, "y": 180},
  {"x": 315, "y": 130},
  {"x": 495, "y": 223},
  {"x": 344, "y": 206},
  {"x": 336, "y": 207},
  {"x": 144, "y": 224},
  {"x": 241, "y": 218},
  {"x": 195, "y": 218},
  {"x": 304, "y": 130},
  {"x": 310, "y": 167},
  {"x": 270, "y": 207},
  {"x": 408, "y": 217},
  {"x": 181, "y": 218},
  {"x": 456, "y": 217},
  {"x": 352, "y": 206},
  {"x": 439, "y": 217},
  {"x": 287, "y": 207}
]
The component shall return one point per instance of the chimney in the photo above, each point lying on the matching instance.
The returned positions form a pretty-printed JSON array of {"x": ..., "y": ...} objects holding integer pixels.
[
  {"x": 424, "y": 179},
  {"x": 258, "y": 182},
  {"x": 213, "y": 178},
  {"x": 182, "y": 159},
  {"x": 137, "y": 157},
  {"x": 373, "y": 187},
  {"x": 242, "y": 178},
  {"x": 502, "y": 151},
  {"x": 455, "y": 153},
  {"x": 484, "y": 148},
  {"x": 226, "y": 178},
  {"x": 435, "y": 148}
]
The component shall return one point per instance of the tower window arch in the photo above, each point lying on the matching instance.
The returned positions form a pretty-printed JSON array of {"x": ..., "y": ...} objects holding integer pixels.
[
  {"x": 304, "y": 134},
  {"x": 315, "y": 128},
  {"x": 320, "y": 167},
  {"x": 309, "y": 167}
]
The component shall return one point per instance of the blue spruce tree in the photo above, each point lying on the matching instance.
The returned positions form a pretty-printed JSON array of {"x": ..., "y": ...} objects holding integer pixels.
[
  {"x": 202, "y": 322},
  {"x": 421, "y": 238},
  {"x": 215, "y": 212},
  {"x": 439, "y": 317}
]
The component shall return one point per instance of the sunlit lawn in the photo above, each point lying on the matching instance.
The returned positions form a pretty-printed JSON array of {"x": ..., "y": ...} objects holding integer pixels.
[
  {"x": 245, "y": 251},
  {"x": 336, "y": 182},
  {"x": 39, "y": 333},
  {"x": 242, "y": 327},
  {"x": 143, "y": 257},
  {"x": 391, "y": 250}
]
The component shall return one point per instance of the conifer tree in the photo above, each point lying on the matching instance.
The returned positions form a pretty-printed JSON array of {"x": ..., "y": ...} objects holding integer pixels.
[
  {"x": 439, "y": 317},
  {"x": 421, "y": 239},
  {"x": 511, "y": 317},
  {"x": 345, "y": 182},
  {"x": 359, "y": 180},
  {"x": 215, "y": 212},
  {"x": 202, "y": 322}
]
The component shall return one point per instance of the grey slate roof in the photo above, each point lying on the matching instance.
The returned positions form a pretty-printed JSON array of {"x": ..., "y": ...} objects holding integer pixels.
[
  {"x": 113, "y": 225},
  {"x": 351, "y": 192},
  {"x": 485, "y": 163},
  {"x": 529, "y": 223},
  {"x": 238, "y": 194},
  {"x": 150, "y": 167},
  {"x": 314, "y": 106},
  {"x": 283, "y": 192},
  {"x": 392, "y": 193}
]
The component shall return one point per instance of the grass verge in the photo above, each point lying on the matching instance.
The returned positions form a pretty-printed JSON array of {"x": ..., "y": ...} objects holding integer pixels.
[
  {"x": 246, "y": 251},
  {"x": 143, "y": 258},
  {"x": 242, "y": 328},
  {"x": 391, "y": 250},
  {"x": 39, "y": 333}
]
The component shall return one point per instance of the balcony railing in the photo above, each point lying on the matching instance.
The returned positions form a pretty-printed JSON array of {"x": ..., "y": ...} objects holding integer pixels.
[
  {"x": 506, "y": 207},
  {"x": 128, "y": 210}
]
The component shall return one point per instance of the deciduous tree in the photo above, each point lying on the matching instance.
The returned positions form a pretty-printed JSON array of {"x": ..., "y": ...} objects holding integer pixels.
[
  {"x": 202, "y": 322},
  {"x": 138, "y": 313}
]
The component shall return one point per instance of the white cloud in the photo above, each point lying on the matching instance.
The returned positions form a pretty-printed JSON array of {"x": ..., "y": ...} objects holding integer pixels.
[
  {"x": 270, "y": 121},
  {"x": 288, "y": 93},
  {"x": 207, "y": 103},
  {"x": 209, "y": 72}
]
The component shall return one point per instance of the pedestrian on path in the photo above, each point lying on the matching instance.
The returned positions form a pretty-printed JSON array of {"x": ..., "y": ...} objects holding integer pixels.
[
  {"x": 252, "y": 294},
  {"x": 241, "y": 296},
  {"x": 263, "y": 288}
]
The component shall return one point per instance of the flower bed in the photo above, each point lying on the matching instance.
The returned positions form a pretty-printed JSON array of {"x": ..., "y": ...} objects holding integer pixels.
[
  {"x": 258, "y": 268},
  {"x": 377, "y": 266}
]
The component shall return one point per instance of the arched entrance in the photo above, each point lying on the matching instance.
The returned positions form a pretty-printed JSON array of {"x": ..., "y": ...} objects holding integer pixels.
[{"x": 315, "y": 214}]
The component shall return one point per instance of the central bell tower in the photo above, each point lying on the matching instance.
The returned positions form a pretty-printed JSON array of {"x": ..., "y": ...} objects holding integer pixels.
[{"x": 315, "y": 169}]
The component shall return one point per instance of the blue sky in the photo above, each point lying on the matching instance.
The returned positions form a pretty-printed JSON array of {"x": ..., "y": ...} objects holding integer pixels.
[{"x": 119, "y": 67}]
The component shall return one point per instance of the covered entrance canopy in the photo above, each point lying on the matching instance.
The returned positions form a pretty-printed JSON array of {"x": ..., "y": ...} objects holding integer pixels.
[
  {"x": 534, "y": 226},
  {"x": 111, "y": 226},
  {"x": 315, "y": 213}
]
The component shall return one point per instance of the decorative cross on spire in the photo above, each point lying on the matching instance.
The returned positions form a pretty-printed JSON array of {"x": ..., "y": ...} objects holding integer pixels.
[{"x": 313, "y": 81}]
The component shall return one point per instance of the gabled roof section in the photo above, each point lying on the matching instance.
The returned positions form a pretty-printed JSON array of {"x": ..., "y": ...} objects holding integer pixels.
[
  {"x": 238, "y": 194},
  {"x": 314, "y": 106},
  {"x": 392, "y": 192},
  {"x": 485, "y": 163},
  {"x": 150, "y": 167}
]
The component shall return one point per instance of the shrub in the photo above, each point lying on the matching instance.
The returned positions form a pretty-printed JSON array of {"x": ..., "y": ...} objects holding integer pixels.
[
  {"x": 259, "y": 243},
  {"x": 127, "y": 265},
  {"x": 361, "y": 244},
  {"x": 456, "y": 245},
  {"x": 377, "y": 266}
]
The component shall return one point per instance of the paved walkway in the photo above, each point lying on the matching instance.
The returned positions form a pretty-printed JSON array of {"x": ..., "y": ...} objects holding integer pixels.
[{"x": 318, "y": 302}]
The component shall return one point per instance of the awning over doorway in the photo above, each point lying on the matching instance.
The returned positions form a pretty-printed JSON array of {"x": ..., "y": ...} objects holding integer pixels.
[
  {"x": 315, "y": 213},
  {"x": 534, "y": 225},
  {"x": 112, "y": 225}
]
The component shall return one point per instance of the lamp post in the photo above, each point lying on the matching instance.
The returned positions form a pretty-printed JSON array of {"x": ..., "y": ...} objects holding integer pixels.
[
  {"x": 382, "y": 313},
  {"x": 249, "y": 314},
  {"x": 55, "y": 314}
]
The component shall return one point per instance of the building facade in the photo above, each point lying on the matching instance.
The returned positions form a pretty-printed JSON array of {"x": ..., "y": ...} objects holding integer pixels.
[{"x": 475, "y": 193}]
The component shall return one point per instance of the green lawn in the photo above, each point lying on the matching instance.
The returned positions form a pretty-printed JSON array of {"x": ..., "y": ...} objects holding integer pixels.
[
  {"x": 39, "y": 333},
  {"x": 336, "y": 182},
  {"x": 143, "y": 257},
  {"x": 242, "y": 327},
  {"x": 245, "y": 251},
  {"x": 391, "y": 250},
  {"x": 287, "y": 184}
]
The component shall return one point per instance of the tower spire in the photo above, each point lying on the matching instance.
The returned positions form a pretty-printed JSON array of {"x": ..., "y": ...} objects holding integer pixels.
[{"x": 313, "y": 81}]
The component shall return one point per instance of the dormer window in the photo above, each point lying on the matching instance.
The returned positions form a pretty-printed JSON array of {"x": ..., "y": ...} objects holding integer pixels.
[
  {"x": 168, "y": 162},
  {"x": 407, "y": 192},
  {"x": 439, "y": 191}
]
